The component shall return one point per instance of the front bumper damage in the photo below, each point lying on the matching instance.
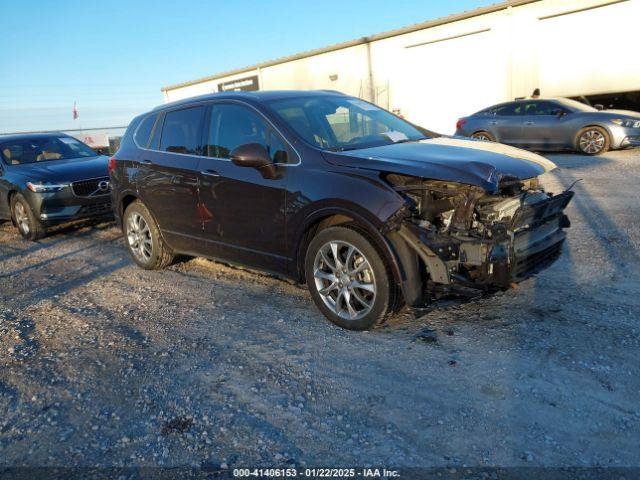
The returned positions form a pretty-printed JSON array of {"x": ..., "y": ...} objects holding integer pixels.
[{"x": 509, "y": 252}]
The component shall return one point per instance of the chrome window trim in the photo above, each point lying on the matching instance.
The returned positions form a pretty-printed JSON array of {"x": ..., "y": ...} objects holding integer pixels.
[
  {"x": 211, "y": 103},
  {"x": 153, "y": 129}
]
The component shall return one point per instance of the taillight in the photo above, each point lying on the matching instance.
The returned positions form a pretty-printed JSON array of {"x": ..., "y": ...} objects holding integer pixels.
[
  {"x": 460, "y": 123},
  {"x": 112, "y": 164}
]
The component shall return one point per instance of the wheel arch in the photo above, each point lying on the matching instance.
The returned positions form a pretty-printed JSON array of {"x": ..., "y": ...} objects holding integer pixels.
[
  {"x": 10, "y": 194},
  {"x": 484, "y": 130},
  {"x": 329, "y": 217},
  {"x": 590, "y": 125},
  {"x": 125, "y": 199}
]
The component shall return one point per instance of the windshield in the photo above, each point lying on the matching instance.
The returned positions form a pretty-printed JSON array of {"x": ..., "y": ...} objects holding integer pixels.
[
  {"x": 43, "y": 149},
  {"x": 575, "y": 105},
  {"x": 343, "y": 123}
]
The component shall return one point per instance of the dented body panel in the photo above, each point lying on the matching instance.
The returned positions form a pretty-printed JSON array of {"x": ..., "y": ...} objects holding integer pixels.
[
  {"x": 458, "y": 160},
  {"x": 475, "y": 214}
]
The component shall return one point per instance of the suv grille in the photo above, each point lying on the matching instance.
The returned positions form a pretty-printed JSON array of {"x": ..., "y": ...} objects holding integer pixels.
[{"x": 90, "y": 188}]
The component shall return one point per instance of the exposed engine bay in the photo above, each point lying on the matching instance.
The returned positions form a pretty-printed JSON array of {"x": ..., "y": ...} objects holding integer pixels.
[{"x": 468, "y": 237}]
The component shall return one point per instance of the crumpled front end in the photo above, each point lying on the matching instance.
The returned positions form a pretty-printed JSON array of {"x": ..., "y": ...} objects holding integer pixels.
[{"x": 466, "y": 237}]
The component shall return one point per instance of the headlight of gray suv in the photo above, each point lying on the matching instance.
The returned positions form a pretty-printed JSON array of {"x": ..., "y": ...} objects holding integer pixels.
[{"x": 39, "y": 187}]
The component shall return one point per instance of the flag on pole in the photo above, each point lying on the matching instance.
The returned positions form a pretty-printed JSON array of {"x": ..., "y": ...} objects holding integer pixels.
[{"x": 75, "y": 111}]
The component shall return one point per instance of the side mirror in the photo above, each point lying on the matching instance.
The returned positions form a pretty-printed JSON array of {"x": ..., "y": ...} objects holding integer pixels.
[
  {"x": 254, "y": 155},
  {"x": 598, "y": 106}
]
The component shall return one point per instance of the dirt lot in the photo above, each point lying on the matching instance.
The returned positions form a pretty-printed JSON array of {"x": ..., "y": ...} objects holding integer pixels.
[{"x": 102, "y": 363}]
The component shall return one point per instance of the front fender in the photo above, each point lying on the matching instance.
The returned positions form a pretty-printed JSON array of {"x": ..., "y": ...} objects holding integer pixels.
[{"x": 358, "y": 194}]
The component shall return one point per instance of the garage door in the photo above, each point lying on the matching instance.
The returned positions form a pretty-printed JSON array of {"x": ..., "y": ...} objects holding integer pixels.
[
  {"x": 451, "y": 78},
  {"x": 591, "y": 51}
]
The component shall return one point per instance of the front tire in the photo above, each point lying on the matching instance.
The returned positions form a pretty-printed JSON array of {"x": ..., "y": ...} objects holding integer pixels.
[
  {"x": 28, "y": 225},
  {"x": 143, "y": 239},
  {"x": 348, "y": 279},
  {"x": 593, "y": 141}
]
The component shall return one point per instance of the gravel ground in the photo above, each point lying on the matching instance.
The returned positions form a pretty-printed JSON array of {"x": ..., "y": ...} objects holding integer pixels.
[{"x": 105, "y": 364}]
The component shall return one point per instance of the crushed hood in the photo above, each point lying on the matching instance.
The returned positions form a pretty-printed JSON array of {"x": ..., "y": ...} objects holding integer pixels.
[{"x": 452, "y": 159}]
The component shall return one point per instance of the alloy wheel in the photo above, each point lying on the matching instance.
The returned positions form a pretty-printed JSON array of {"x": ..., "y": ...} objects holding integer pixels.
[
  {"x": 139, "y": 237},
  {"x": 591, "y": 141},
  {"x": 22, "y": 218},
  {"x": 344, "y": 279}
]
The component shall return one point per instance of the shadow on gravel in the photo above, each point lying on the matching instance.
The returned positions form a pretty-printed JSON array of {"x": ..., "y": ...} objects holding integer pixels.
[
  {"x": 46, "y": 262},
  {"x": 50, "y": 240},
  {"x": 73, "y": 228},
  {"x": 613, "y": 240},
  {"x": 61, "y": 284},
  {"x": 580, "y": 162}
]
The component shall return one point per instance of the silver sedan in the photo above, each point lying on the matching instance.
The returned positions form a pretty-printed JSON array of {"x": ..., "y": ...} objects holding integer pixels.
[{"x": 554, "y": 124}]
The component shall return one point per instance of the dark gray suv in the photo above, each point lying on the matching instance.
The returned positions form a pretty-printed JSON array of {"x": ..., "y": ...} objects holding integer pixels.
[{"x": 50, "y": 178}]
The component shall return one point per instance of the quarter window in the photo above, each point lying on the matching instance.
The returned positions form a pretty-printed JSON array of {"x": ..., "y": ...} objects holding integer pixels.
[
  {"x": 143, "y": 133},
  {"x": 182, "y": 131}
]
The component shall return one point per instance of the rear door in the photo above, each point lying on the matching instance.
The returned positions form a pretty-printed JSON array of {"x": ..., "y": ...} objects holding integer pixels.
[
  {"x": 243, "y": 212},
  {"x": 168, "y": 179},
  {"x": 542, "y": 125},
  {"x": 505, "y": 123}
]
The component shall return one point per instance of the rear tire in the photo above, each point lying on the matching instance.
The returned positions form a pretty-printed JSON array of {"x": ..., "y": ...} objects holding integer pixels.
[
  {"x": 28, "y": 225},
  {"x": 483, "y": 135},
  {"x": 143, "y": 239},
  {"x": 355, "y": 292},
  {"x": 593, "y": 141}
]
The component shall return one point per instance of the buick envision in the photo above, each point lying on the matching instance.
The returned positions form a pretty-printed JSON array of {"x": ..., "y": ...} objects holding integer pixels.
[{"x": 371, "y": 211}]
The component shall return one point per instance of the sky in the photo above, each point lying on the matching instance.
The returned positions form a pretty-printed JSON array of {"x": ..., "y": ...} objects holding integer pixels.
[{"x": 112, "y": 57}]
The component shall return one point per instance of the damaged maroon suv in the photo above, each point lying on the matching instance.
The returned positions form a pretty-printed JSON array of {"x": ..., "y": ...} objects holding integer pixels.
[{"x": 372, "y": 212}]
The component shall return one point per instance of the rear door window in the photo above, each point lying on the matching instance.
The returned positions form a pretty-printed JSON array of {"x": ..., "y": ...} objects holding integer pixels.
[
  {"x": 508, "y": 110},
  {"x": 540, "y": 108},
  {"x": 182, "y": 131}
]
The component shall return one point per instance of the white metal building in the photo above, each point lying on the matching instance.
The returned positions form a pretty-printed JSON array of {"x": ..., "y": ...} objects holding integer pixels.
[{"x": 439, "y": 70}]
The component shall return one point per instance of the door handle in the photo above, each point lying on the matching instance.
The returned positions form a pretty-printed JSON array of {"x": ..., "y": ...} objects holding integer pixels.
[
  {"x": 493, "y": 122},
  {"x": 146, "y": 162},
  {"x": 529, "y": 123},
  {"x": 210, "y": 173}
]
